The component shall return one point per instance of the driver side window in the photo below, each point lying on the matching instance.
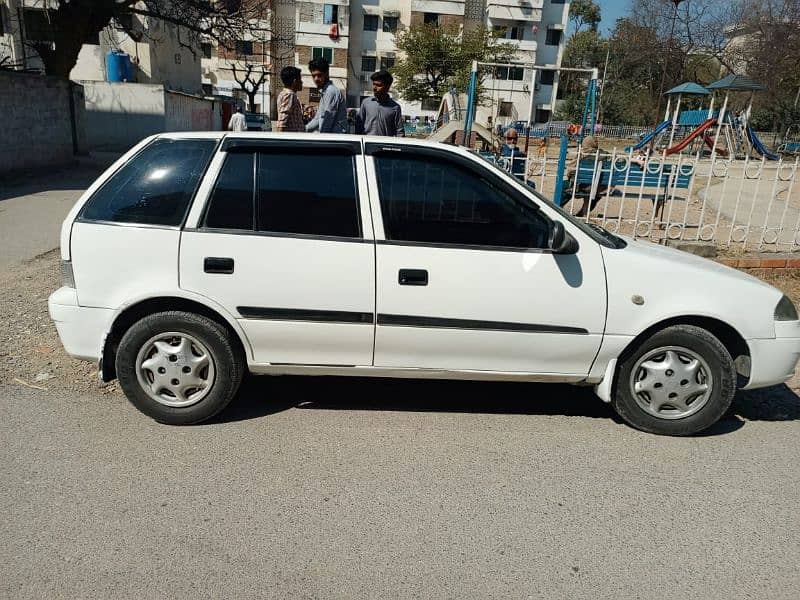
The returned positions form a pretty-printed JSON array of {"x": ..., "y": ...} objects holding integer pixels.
[{"x": 426, "y": 199}]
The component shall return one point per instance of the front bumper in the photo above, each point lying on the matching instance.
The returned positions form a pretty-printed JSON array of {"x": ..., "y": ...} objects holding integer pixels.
[
  {"x": 82, "y": 329},
  {"x": 774, "y": 361}
]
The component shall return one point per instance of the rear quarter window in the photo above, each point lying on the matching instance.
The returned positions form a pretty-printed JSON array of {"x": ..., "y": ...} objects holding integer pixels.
[{"x": 154, "y": 187}]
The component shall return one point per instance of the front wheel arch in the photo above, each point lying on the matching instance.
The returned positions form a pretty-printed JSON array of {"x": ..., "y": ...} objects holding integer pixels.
[
  {"x": 733, "y": 341},
  {"x": 139, "y": 310}
]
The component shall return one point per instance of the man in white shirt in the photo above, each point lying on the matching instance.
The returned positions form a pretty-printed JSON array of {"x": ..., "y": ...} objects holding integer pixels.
[{"x": 238, "y": 122}]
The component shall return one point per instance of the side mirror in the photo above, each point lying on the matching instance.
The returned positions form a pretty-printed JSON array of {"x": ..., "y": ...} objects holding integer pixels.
[{"x": 560, "y": 242}]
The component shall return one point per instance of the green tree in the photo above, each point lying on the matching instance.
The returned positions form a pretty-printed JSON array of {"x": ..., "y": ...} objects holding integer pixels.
[
  {"x": 435, "y": 58},
  {"x": 584, "y": 13}
]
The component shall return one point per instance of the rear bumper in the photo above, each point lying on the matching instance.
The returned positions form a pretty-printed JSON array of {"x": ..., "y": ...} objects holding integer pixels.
[
  {"x": 774, "y": 361},
  {"x": 82, "y": 329}
]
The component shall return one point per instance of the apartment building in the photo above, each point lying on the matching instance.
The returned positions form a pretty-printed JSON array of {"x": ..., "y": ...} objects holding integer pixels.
[
  {"x": 535, "y": 27},
  {"x": 358, "y": 38}
]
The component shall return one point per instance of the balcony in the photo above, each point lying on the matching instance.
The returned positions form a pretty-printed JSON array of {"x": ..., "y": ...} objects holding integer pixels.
[{"x": 515, "y": 10}]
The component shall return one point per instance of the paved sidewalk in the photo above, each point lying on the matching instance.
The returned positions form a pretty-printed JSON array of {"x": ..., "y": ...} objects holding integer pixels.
[{"x": 34, "y": 203}]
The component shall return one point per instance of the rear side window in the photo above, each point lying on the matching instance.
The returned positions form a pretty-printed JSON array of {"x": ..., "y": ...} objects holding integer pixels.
[
  {"x": 155, "y": 187},
  {"x": 304, "y": 192},
  {"x": 309, "y": 193},
  {"x": 231, "y": 204}
]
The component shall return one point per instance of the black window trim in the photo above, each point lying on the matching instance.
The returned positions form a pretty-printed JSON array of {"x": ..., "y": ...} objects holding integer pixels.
[
  {"x": 218, "y": 142},
  {"x": 265, "y": 146},
  {"x": 378, "y": 149}
]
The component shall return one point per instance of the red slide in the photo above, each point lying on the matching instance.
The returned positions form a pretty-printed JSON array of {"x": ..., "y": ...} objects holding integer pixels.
[
  {"x": 691, "y": 137},
  {"x": 710, "y": 143}
]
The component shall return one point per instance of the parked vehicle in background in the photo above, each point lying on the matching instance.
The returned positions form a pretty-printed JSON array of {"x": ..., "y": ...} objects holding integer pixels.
[
  {"x": 257, "y": 122},
  {"x": 196, "y": 257}
]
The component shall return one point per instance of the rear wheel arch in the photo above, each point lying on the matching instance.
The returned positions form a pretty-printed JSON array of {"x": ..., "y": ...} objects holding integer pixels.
[{"x": 135, "y": 312}]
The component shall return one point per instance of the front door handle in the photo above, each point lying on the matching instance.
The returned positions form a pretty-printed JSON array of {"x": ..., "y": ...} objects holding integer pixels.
[
  {"x": 412, "y": 277},
  {"x": 218, "y": 264}
]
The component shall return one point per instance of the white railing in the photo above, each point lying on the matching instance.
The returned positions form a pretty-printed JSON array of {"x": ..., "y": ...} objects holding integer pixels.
[{"x": 749, "y": 205}]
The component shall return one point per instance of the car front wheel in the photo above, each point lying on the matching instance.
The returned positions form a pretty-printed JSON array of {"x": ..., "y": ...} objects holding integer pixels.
[
  {"x": 678, "y": 382},
  {"x": 178, "y": 367}
]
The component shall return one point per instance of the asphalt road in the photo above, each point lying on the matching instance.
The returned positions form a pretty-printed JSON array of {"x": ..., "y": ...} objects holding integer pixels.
[
  {"x": 322, "y": 488},
  {"x": 33, "y": 205}
]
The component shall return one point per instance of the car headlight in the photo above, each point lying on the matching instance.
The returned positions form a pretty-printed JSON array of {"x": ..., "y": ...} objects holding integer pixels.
[{"x": 785, "y": 311}]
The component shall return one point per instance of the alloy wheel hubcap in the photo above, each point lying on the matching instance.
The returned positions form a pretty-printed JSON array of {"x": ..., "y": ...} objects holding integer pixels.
[
  {"x": 175, "y": 369},
  {"x": 671, "y": 382}
]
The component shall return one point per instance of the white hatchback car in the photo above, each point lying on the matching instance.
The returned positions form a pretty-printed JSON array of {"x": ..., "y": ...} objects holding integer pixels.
[{"x": 197, "y": 256}]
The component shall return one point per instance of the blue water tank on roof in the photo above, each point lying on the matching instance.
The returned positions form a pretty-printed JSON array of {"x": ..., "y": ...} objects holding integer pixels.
[{"x": 118, "y": 67}]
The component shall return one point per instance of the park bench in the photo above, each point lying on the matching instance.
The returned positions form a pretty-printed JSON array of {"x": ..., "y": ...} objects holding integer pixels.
[{"x": 599, "y": 176}]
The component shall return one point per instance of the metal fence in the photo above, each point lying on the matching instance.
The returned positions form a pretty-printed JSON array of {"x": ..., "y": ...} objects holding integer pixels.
[{"x": 746, "y": 205}]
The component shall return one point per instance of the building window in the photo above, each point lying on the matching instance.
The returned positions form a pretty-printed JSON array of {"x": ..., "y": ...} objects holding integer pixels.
[
  {"x": 244, "y": 47},
  {"x": 558, "y": 1},
  {"x": 387, "y": 63},
  {"x": 542, "y": 116},
  {"x": 431, "y": 103},
  {"x": 548, "y": 78},
  {"x": 330, "y": 14},
  {"x": 509, "y": 73},
  {"x": 553, "y": 37},
  {"x": 208, "y": 89},
  {"x": 390, "y": 24},
  {"x": 370, "y": 22},
  {"x": 37, "y": 25},
  {"x": 431, "y": 19},
  {"x": 314, "y": 95},
  {"x": 516, "y": 32},
  {"x": 326, "y": 53},
  {"x": 206, "y": 49},
  {"x": 506, "y": 109},
  {"x": 368, "y": 64}
]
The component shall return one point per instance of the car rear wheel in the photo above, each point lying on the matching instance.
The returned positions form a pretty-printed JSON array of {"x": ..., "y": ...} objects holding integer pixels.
[
  {"x": 678, "y": 382},
  {"x": 178, "y": 367}
]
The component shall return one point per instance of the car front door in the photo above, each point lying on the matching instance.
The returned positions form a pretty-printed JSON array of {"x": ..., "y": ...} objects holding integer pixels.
[
  {"x": 281, "y": 244},
  {"x": 465, "y": 280}
]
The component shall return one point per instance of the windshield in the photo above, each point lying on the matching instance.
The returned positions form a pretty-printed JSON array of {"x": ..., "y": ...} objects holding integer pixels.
[{"x": 597, "y": 233}]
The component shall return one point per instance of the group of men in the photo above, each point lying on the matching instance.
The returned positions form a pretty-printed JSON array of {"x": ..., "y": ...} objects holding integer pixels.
[{"x": 378, "y": 115}]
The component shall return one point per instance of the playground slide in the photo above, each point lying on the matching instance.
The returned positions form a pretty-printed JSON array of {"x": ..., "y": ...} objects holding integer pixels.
[
  {"x": 646, "y": 139},
  {"x": 759, "y": 145},
  {"x": 692, "y": 137},
  {"x": 710, "y": 143}
]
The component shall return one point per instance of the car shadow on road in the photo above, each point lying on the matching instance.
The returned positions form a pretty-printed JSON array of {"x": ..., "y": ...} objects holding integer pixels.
[{"x": 264, "y": 396}]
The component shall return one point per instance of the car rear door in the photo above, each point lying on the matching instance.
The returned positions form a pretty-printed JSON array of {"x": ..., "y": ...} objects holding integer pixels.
[
  {"x": 284, "y": 243},
  {"x": 464, "y": 277}
]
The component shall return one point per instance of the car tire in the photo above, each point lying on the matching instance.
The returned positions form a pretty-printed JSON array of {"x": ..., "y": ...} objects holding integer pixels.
[
  {"x": 179, "y": 368},
  {"x": 678, "y": 382}
]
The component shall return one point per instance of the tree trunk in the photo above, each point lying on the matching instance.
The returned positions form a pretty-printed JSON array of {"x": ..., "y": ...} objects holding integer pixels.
[{"x": 251, "y": 97}]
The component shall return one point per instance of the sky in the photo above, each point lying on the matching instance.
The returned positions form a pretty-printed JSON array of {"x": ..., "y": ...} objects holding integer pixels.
[{"x": 611, "y": 10}]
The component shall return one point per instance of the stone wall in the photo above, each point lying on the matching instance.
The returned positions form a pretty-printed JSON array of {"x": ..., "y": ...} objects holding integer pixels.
[{"x": 37, "y": 126}]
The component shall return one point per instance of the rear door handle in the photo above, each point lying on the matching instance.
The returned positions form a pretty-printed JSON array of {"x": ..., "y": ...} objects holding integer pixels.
[
  {"x": 218, "y": 264},
  {"x": 412, "y": 277}
]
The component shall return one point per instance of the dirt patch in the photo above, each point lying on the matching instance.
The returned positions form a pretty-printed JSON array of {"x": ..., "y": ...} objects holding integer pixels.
[{"x": 30, "y": 352}]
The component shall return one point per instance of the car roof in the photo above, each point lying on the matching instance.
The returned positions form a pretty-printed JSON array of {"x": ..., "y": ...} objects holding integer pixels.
[{"x": 311, "y": 137}]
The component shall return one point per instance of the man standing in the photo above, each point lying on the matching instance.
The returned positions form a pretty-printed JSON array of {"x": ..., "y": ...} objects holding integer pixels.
[
  {"x": 380, "y": 115},
  {"x": 331, "y": 115},
  {"x": 290, "y": 112},
  {"x": 238, "y": 122}
]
